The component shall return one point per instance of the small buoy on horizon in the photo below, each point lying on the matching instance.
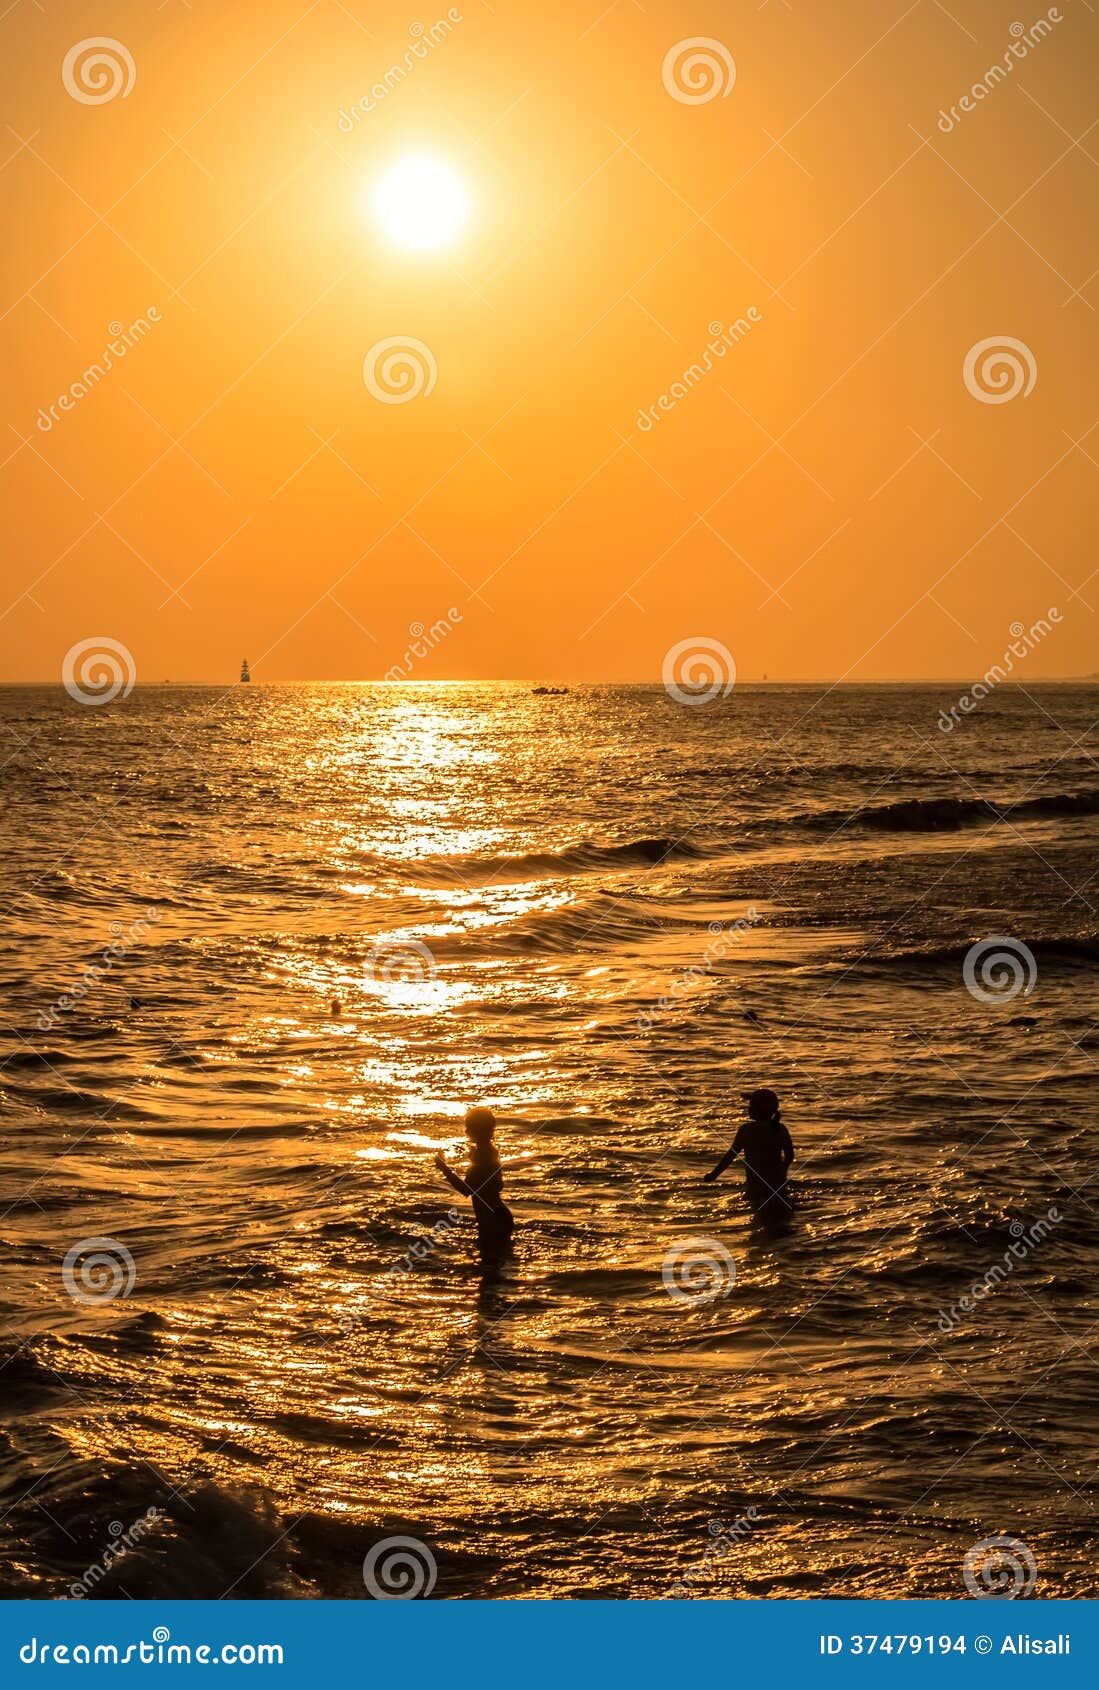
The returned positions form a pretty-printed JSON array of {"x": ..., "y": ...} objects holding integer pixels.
[
  {"x": 337, "y": 1006},
  {"x": 750, "y": 1015},
  {"x": 136, "y": 1003}
]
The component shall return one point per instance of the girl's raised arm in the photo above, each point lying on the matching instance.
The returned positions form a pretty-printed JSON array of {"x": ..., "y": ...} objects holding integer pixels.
[{"x": 450, "y": 1176}]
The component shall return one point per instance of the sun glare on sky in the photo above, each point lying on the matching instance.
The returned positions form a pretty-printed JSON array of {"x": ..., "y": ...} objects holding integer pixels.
[{"x": 421, "y": 203}]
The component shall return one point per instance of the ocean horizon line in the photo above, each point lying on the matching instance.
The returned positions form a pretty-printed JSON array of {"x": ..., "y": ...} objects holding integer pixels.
[{"x": 559, "y": 681}]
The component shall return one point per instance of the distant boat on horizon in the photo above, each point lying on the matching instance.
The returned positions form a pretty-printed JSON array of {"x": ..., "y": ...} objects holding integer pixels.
[{"x": 245, "y": 672}]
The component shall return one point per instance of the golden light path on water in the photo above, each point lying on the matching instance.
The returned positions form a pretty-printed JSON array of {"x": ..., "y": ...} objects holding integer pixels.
[{"x": 376, "y": 906}]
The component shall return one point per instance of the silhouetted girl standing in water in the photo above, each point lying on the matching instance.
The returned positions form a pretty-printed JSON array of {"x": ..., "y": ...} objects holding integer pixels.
[
  {"x": 484, "y": 1184},
  {"x": 767, "y": 1150}
]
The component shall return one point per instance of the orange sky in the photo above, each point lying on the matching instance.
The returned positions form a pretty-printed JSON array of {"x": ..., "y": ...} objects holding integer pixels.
[{"x": 231, "y": 486}]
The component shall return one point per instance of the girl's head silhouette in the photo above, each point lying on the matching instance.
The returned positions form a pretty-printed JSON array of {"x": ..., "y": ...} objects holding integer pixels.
[
  {"x": 762, "y": 1104},
  {"x": 481, "y": 1130}
]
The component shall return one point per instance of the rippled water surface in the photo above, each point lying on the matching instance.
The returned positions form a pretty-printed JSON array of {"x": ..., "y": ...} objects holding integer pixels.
[{"x": 338, "y": 915}]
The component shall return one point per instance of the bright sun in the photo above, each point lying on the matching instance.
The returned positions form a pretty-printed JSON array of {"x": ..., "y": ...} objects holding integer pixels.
[{"x": 421, "y": 203}]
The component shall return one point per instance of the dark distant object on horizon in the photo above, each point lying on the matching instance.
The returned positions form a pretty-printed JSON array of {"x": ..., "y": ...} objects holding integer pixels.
[
  {"x": 337, "y": 1006},
  {"x": 548, "y": 692},
  {"x": 245, "y": 672},
  {"x": 135, "y": 1003}
]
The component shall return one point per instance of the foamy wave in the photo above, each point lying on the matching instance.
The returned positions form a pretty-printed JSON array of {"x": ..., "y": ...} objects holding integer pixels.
[{"x": 587, "y": 857}]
